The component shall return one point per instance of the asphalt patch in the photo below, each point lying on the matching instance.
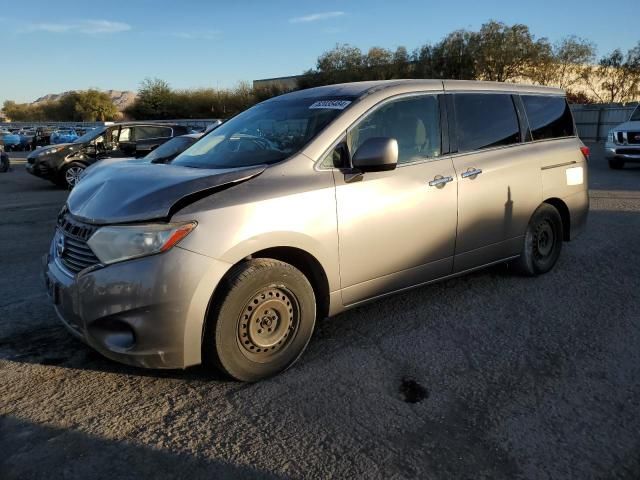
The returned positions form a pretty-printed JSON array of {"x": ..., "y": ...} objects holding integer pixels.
[{"x": 412, "y": 391}]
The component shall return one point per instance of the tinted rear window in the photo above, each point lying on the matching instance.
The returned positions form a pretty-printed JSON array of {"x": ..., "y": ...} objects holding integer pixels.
[
  {"x": 146, "y": 132},
  {"x": 549, "y": 117},
  {"x": 485, "y": 120}
]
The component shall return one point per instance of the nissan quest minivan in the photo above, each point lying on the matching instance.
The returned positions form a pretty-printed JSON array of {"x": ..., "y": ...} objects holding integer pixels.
[{"x": 308, "y": 204}]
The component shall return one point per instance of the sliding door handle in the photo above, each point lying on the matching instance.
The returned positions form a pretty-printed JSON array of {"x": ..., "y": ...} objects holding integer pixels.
[{"x": 471, "y": 173}]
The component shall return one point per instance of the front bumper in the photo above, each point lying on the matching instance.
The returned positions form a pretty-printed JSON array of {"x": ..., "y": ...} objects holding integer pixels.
[
  {"x": 147, "y": 312},
  {"x": 39, "y": 169},
  {"x": 628, "y": 153}
]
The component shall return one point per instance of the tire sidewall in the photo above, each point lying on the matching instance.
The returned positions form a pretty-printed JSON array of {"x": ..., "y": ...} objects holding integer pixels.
[
  {"x": 543, "y": 213},
  {"x": 229, "y": 354}
]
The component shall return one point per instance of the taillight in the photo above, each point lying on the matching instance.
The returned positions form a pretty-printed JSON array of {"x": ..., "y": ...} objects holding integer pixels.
[{"x": 585, "y": 151}]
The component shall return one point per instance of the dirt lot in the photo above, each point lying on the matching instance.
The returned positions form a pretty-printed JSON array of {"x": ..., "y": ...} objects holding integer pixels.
[{"x": 511, "y": 377}]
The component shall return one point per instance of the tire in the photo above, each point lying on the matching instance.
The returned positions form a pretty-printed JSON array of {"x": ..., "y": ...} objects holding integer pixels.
[
  {"x": 70, "y": 174},
  {"x": 616, "y": 164},
  {"x": 4, "y": 163},
  {"x": 542, "y": 242},
  {"x": 257, "y": 296}
]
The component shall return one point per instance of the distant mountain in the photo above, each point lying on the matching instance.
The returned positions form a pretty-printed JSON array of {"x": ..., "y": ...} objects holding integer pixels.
[{"x": 120, "y": 98}]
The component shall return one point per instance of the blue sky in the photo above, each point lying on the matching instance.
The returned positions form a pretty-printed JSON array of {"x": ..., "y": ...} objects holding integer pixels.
[{"x": 116, "y": 44}]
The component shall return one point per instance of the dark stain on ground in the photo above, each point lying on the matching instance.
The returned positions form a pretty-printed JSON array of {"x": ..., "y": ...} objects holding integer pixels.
[{"x": 412, "y": 391}]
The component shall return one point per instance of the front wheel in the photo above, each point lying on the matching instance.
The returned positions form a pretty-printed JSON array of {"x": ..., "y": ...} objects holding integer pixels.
[
  {"x": 262, "y": 320},
  {"x": 71, "y": 174},
  {"x": 542, "y": 242}
]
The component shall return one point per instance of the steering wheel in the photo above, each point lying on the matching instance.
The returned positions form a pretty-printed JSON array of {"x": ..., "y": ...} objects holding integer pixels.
[{"x": 245, "y": 142}]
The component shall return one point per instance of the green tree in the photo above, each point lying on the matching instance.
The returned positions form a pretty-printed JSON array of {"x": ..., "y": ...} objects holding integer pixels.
[
  {"x": 454, "y": 56},
  {"x": 155, "y": 100},
  {"x": 616, "y": 78},
  {"x": 506, "y": 53},
  {"x": 93, "y": 105},
  {"x": 565, "y": 64}
]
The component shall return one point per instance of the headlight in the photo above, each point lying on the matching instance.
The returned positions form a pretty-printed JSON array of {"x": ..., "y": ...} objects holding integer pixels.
[
  {"x": 118, "y": 243},
  {"x": 610, "y": 137},
  {"x": 49, "y": 151}
]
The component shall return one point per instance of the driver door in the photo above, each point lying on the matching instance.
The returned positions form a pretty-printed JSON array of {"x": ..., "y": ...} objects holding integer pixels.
[
  {"x": 397, "y": 228},
  {"x": 114, "y": 142}
]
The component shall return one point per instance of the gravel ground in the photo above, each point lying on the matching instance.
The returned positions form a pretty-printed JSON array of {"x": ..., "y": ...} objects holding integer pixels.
[{"x": 488, "y": 375}]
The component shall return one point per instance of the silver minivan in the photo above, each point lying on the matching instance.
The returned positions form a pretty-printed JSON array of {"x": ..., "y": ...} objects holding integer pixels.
[{"x": 308, "y": 204}]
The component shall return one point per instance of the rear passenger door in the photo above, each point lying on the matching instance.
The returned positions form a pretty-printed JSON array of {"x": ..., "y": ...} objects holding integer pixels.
[{"x": 499, "y": 183}]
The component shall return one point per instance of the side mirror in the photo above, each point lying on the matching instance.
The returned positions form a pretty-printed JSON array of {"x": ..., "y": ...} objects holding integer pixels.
[{"x": 377, "y": 154}]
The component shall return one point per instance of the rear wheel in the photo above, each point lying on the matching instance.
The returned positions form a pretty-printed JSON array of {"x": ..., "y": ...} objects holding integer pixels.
[
  {"x": 616, "y": 164},
  {"x": 262, "y": 321},
  {"x": 542, "y": 242},
  {"x": 70, "y": 174}
]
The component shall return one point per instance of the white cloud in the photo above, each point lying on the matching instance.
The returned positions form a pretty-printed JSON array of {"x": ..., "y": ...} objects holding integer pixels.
[
  {"x": 314, "y": 17},
  {"x": 87, "y": 27}
]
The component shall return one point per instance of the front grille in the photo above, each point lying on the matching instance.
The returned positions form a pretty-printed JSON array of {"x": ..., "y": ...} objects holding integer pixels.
[
  {"x": 76, "y": 254},
  {"x": 619, "y": 137},
  {"x": 633, "y": 138},
  {"x": 628, "y": 151}
]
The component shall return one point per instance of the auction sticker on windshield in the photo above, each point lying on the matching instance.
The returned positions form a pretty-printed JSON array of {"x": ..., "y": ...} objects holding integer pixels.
[{"x": 331, "y": 104}]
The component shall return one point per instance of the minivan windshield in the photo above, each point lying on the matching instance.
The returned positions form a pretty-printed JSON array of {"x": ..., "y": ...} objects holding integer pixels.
[
  {"x": 90, "y": 135},
  {"x": 266, "y": 133}
]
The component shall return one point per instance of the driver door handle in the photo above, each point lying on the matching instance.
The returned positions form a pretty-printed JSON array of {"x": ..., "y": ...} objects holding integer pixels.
[{"x": 439, "y": 181}]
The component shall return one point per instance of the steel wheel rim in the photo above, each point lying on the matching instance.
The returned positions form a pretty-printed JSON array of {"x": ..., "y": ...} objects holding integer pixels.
[
  {"x": 268, "y": 323},
  {"x": 544, "y": 240},
  {"x": 72, "y": 175}
]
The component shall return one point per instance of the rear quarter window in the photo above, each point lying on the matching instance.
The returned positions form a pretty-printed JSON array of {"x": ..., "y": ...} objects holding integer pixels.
[
  {"x": 485, "y": 120},
  {"x": 143, "y": 133},
  {"x": 549, "y": 117}
]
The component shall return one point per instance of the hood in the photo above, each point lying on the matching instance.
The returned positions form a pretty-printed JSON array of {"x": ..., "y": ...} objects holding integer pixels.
[
  {"x": 132, "y": 191},
  {"x": 627, "y": 126},
  {"x": 62, "y": 150}
]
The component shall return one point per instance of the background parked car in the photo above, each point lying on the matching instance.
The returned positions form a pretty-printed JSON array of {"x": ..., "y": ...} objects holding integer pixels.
[
  {"x": 63, "y": 164},
  {"x": 11, "y": 141},
  {"x": 42, "y": 137},
  {"x": 63, "y": 136},
  {"x": 623, "y": 142},
  {"x": 4, "y": 161},
  {"x": 26, "y": 139},
  {"x": 3, "y": 132}
]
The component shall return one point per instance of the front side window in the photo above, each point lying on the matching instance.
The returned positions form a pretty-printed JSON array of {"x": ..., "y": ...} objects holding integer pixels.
[
  {"x": 90, "y": 135},
  {"x": 266, "y": 133},
  {"x": 414, "y": 122},
  {"x": 635, "y": 116},
  {"x": 485, "y": 120},
  {"x": 549, "y": 117}
]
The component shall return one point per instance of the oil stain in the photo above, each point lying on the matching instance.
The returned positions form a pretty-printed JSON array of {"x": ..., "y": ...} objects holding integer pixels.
[{"x": 412, "y": 391}]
